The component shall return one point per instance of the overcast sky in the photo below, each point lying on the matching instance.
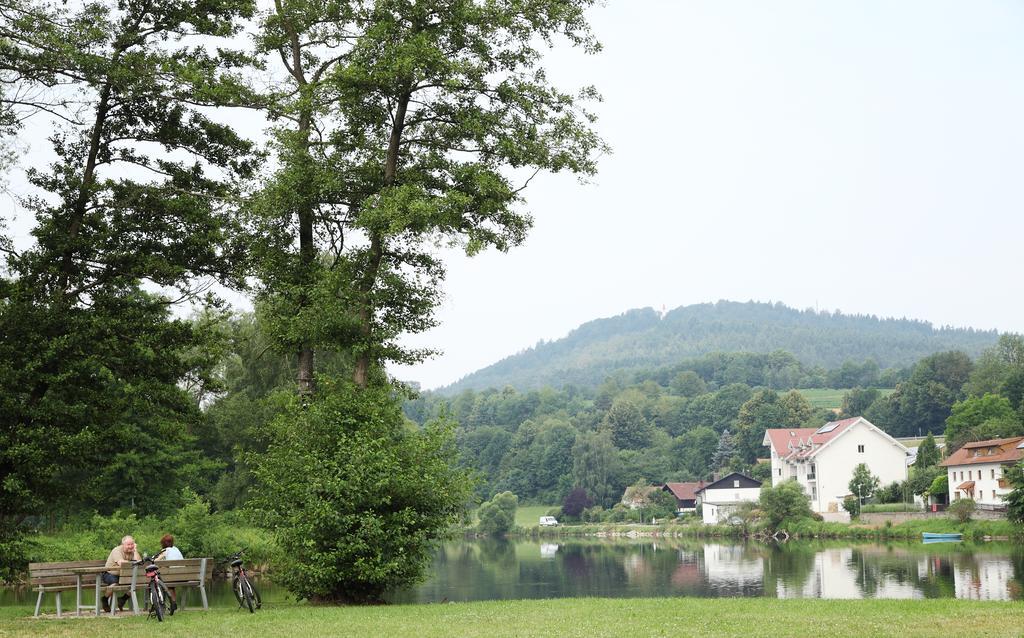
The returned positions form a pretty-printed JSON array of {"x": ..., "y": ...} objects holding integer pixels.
[{"x": 861, "y": 156}]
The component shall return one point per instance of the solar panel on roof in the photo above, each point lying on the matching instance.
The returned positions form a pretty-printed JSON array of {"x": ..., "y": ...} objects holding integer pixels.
[{"x": 828, "y": 427}]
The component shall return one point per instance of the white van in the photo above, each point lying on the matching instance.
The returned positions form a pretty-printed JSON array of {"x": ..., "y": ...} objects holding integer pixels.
[{"x": 548, "y": 521}]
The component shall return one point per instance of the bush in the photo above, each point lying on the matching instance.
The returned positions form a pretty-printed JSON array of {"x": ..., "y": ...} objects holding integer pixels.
[
  {"x": 355, "y": 499},
  {"x": 575, "y": 502},
  {"x": 963, "y": 508},
  {"x": 785, "y": 502},
  {"x": 852, "y": 505},
  {"x": 498, "y": 515}
]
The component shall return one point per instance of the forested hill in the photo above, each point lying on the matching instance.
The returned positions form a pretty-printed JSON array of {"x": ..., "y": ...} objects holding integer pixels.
[{"x": 643, "y": 339}]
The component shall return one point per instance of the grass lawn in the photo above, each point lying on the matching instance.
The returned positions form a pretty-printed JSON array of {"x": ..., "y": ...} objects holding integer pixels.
[
  {"x": 831, "y": 399},
  {"x": 583, "y": 617},
  {"x": 529, "y": 515}
]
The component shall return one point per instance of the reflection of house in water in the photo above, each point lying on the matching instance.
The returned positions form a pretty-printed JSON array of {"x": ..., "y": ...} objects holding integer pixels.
[
  {"x": 983, "y": 577},
  {"x": 687, "y": 571},
  {"x": 847, "y": 573},
  {"x": 733, "y": 567}
]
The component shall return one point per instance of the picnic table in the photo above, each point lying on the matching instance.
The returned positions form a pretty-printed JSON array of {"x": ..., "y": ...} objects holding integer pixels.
[{"x": 80, "y": 575}]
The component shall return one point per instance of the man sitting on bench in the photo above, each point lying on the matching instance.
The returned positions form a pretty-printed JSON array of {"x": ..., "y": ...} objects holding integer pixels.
[{"x": 124, "y": 553}]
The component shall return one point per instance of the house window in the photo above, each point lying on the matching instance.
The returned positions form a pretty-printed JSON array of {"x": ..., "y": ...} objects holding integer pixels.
[
  {"x": 736, "y": 483},
  {"x": 814, "y": 493},
  {"x": 993, "y": 495},
  {"x": 780, "y": 471},
  {"x": 969, "y": 477},
  {"x": 993, "y": 473},
  {"x": 860, "y": 448}
]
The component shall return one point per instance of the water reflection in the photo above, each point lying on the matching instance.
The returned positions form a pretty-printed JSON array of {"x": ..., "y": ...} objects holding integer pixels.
[{"x": 510, "y": 570}]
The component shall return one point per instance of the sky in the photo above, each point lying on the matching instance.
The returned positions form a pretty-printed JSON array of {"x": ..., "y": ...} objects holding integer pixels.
[{"x": 860, "y": 156}]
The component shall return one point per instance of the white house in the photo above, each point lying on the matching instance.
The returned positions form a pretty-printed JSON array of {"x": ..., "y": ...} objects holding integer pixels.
[
  {"x": 976, "y": 470},
  {"x": 720, "y": 499},
  {"x": 822, "y": 460}
]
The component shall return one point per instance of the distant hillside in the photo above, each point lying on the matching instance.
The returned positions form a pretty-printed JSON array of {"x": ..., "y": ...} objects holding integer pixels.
[{"x": 642, "y": 339}]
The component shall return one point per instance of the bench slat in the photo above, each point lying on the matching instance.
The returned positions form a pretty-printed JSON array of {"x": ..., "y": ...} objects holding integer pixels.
[{"x": 65, "y": 565}]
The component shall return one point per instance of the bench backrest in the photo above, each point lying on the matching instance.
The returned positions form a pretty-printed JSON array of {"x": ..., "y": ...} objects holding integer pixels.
[
  {"x": 172, "y": 572},
  {"x": 57, "y": 574},
  {"x": 183, "y": 571}
]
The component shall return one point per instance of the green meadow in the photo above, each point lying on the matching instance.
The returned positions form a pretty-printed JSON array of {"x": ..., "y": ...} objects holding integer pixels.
[{"x": 579, "y": 617}]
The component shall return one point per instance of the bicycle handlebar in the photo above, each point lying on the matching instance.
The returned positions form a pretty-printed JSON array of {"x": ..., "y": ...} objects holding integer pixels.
[
  {"x": 149, "y": 559},
  {"x": 232, "y": 557}
]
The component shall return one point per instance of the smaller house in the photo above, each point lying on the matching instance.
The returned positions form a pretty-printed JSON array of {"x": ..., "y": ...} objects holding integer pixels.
[
  {"x": 685, "y": 495},
  {"x": 720, "y": 499},
  {"x": 976, "y": 470},
  {"x": 637, "y": 496}
]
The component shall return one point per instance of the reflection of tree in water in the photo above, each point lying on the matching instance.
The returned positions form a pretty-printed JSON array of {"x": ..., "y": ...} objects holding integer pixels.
[
  {"x": 1016, "y": 585},
  {"x": 877, "y": 566},
  {"x": 789, "y": 564},
  {"x": 499, "y": 552},
  {"x": 935, "y": 577}
]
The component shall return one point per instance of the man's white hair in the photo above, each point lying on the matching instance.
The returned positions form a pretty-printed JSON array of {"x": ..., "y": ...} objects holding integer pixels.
[{"x": 126, "y": 539}]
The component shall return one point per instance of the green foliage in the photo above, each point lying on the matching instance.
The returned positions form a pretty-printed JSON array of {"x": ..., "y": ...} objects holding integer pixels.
[
  {"x": 927, "y": 453},
  {"x": 940, "y": 485},
  {"x": 1014, "y": 476},
  {"x": 660, "y": 505},
  {"x": 355, "y": 499},
  {"x": 627, "y": 425},
  {"x": 761, "y": 472},
  {"x": 863, "y": 484},
  {"x": 786, "y": 502},
  {"x": 921, "y": 478},
  {"x": 724, "y": 452},
  {"x": 595, "y": 466},
  {"x": 498, "y": 515},
  {"x": 922, "y": 403},
  {"x": 100, "y": 386},
  {"x": 894, "y": 492},
  {"x": 980, "y": 418},
  {"x": 857, "y": 401},
  {"x": 963, "y": 508},
  {"x": 852, "y": 505}
]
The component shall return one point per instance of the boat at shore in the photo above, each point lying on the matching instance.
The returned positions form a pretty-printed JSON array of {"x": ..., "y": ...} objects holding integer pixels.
[{"x": 932, "y": 536}]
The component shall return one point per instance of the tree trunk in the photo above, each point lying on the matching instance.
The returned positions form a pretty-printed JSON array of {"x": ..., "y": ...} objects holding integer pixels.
[{"x": 361, "y": 374}]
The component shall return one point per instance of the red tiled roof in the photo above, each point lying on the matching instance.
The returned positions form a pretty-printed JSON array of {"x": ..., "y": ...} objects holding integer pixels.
[
  {"x": 801, "y": 443},
  {"x": 1004, "y": 451},
  {"x": 685, "y": 491}
]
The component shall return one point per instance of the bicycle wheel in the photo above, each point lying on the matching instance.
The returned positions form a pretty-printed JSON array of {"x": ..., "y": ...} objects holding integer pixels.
[
  {"x": 255, "y": 595},
  {"x": 236, "y": 589},
  {"x": 168, "y": 601},
  {"x": 156, "y": 599},
  {"x": 247, "y": 593}
]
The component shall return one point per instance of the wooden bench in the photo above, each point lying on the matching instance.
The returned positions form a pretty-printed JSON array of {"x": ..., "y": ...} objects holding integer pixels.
[
  {"x": 57, "y": 578},
  {"x": 185, "y": 574}
]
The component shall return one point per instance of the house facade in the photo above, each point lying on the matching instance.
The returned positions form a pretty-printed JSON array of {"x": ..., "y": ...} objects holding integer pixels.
[
  {"x": 976, "y": 470},
  {"x": 822, "y": 460},
  {"x": 720, "y": 499}
]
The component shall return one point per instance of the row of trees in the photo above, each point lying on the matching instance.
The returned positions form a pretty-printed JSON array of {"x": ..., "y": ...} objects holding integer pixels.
[
  {"x": 542, "y": 444},
  {"x": 388, "y": 128}
]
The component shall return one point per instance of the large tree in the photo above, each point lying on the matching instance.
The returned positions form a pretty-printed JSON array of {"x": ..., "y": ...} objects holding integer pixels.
[
  {"x": 406, "y": 125},
  {"x": 132, "y": 214}
]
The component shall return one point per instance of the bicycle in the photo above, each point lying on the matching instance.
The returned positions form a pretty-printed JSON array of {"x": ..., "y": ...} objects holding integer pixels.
[
  {"x": 156, "y": 597},
  {"x": 245, "y": 592}
]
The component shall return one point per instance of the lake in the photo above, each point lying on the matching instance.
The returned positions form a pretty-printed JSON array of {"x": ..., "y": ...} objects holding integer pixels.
[
  {"x": 499, "y": 570},
  {"x": 489, "y": 570}
]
